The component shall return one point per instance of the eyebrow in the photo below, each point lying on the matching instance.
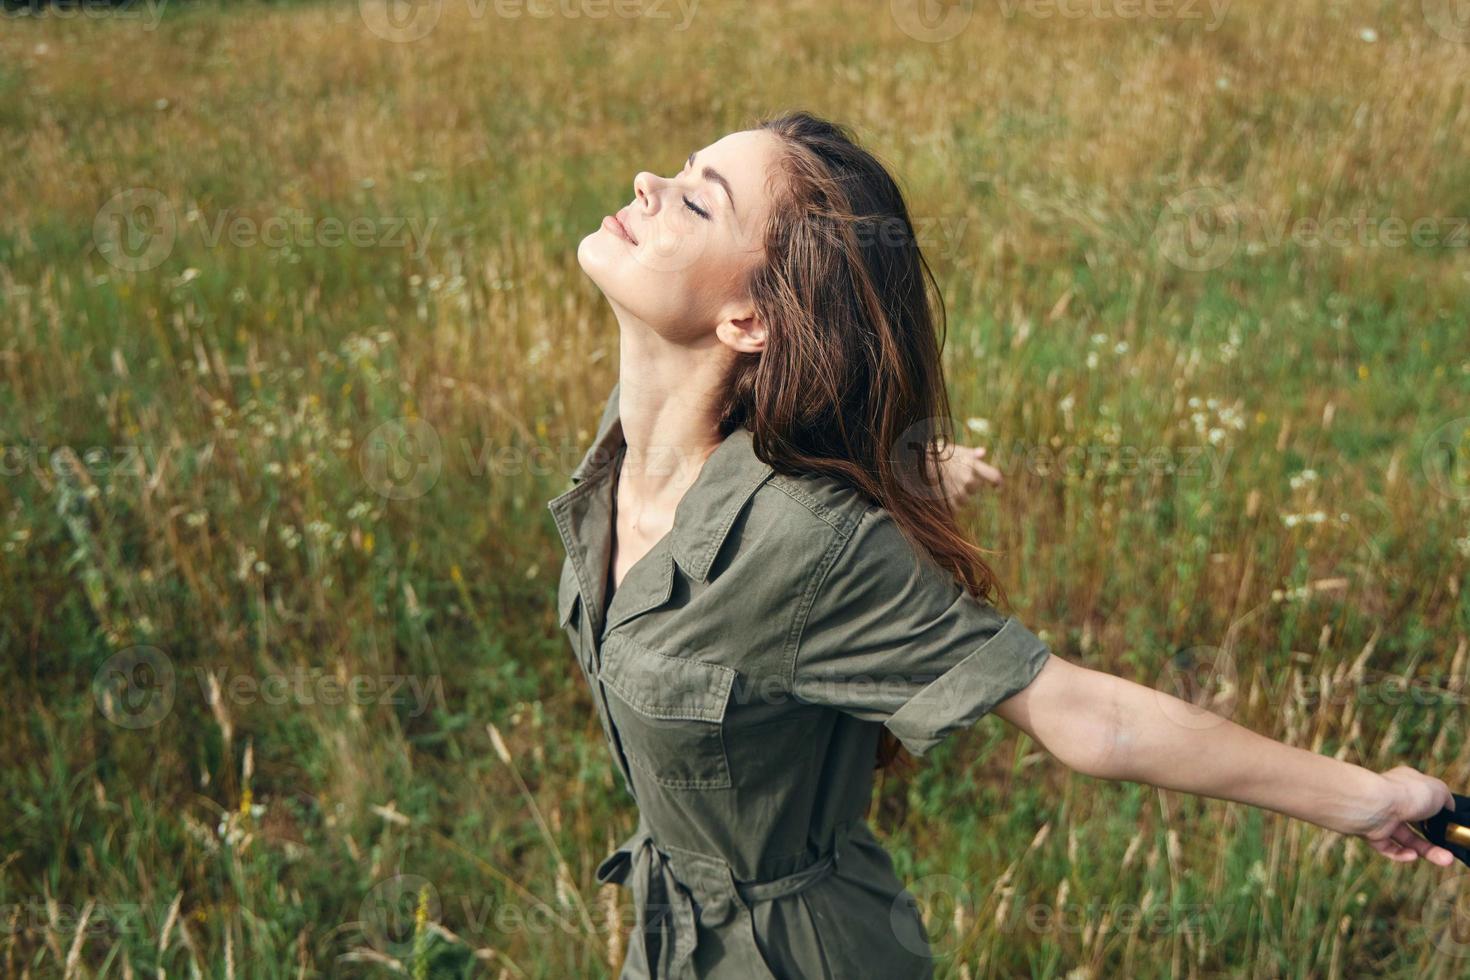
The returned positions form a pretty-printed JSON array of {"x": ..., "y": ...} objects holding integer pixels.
[{"x": 710, "y": 173}]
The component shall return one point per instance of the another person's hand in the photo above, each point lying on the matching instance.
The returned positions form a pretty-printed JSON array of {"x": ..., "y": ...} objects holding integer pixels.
[
  {"x": 964, "y": 471},
  {"x": 1406, "y": 794}
]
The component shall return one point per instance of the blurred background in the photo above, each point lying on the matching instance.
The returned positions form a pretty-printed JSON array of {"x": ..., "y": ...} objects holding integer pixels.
[{"x": 294, "y": 348}]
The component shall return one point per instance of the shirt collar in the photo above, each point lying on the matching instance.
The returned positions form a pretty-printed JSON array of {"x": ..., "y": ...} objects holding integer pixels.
[{"x": 708, "y": 509}]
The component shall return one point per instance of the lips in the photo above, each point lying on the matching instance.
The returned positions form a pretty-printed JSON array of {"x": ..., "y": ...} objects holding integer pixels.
[{"x": 624, "y": 225}]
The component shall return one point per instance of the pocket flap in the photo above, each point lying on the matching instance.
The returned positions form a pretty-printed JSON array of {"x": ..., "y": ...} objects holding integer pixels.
[{"x": 663, "y": 686}]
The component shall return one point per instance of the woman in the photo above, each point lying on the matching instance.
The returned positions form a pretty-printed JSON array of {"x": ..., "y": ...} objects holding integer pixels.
[{"x": 767, "y": 591}]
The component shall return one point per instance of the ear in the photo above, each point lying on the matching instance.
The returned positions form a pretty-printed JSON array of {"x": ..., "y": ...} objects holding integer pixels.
[{"x": 745, "y": 334}]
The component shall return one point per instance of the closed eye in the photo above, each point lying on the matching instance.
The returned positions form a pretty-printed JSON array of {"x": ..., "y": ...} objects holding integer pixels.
[{"x": 688, "y": 204}]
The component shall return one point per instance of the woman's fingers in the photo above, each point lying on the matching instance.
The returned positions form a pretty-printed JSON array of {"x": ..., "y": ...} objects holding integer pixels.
[
  {"x": 1405, "y": 845},
  {"x": 1392, "y": 851},
  {"x": 981, "y": 468},
  {"x": 1432, "y": 852},
  {"x": 1405, "y": 837},
  {"x": 988, "y": 472},
  {"x": 968, "y": 472}
]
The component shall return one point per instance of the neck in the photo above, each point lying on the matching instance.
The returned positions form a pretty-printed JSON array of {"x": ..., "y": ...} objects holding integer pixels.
[{"x": 667, "y": 401}]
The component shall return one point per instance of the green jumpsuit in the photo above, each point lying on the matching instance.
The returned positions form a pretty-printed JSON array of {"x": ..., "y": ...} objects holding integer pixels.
[{"x": 741, "y": 674}]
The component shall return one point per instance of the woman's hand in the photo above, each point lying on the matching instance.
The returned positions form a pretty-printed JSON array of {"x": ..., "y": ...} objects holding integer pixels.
[
  {"x": 1405, "y": 794},
  {"x": 964, "y": 471}
]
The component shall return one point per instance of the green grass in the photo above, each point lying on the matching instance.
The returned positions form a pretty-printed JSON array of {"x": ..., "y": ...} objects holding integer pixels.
[{"x": 232, "y": 527}]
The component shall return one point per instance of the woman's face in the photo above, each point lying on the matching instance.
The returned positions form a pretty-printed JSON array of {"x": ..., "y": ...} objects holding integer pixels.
[{"x": 699, "y": 236}]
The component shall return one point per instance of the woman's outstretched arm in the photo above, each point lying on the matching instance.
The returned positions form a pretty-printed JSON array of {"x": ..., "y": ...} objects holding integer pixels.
[{"x": 1111, "y": 728}]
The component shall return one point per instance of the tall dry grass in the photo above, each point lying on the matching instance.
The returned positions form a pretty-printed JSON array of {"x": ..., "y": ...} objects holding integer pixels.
[{"x": 1117, "y": 207}]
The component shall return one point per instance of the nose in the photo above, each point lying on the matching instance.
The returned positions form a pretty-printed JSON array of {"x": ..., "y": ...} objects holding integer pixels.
[{"x": 643, "y": 183}]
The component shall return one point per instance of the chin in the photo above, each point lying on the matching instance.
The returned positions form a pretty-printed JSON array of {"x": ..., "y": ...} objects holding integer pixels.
[
  {"x": 598, "y": 266},
  {"x": 587, "y": 256}
]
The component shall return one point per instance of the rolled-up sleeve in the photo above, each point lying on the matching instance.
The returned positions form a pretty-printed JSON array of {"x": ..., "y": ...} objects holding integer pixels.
[{"x": 893, "y": 637}]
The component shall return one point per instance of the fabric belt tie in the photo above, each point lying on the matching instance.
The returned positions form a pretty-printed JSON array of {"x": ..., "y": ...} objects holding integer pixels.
[{"x": 666, "y": 901}]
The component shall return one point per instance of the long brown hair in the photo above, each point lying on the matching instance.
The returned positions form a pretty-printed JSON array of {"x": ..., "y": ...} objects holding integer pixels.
[{"x": 850, "y": 383}]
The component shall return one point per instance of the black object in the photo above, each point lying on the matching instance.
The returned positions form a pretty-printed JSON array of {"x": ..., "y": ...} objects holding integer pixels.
[{"x": 1450, "y": 829}]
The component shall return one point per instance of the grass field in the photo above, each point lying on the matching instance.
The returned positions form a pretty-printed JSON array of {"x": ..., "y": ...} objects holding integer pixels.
[{"x": 276, "y": 705}]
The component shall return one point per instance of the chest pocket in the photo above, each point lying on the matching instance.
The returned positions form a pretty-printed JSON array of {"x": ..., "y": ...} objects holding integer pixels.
[{"x": 669, "y": 712}]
